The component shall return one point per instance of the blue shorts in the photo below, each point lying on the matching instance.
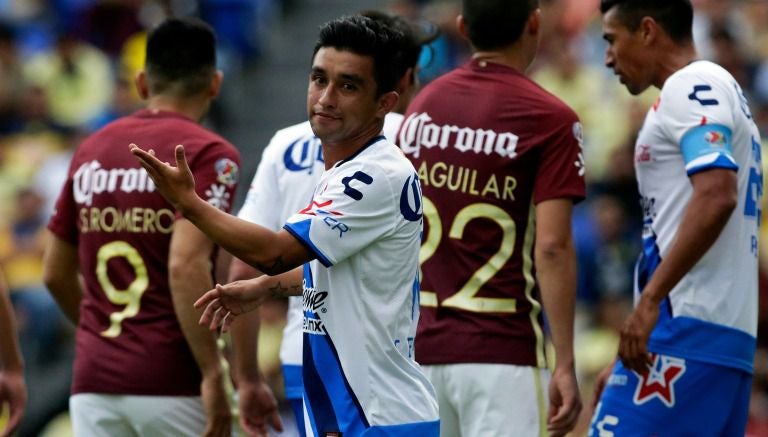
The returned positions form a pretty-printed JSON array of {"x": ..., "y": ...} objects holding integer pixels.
[{"x": 677, "y": 398}]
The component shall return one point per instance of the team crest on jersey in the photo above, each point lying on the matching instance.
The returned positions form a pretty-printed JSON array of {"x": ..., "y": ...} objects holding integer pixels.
[
  {"x": 226, "y": 171},
  {"x": 643, "y": 153},
  {"x": 410, "y": 199},
  {"x": 218, "y": 196},
  {"x": 715, "y": 138},
  {"x": 659, "y": 381}
]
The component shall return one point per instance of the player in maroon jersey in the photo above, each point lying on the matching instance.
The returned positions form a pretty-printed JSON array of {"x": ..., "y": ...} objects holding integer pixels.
[
  {"x": 13, "y": 390},
  {"x": 135, "y": 371},
  {"x": 500, "y": 164}
]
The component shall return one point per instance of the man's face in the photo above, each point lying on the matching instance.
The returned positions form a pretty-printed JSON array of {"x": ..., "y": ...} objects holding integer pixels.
[
  {"x": 627, "y": 55},
  {"x": 341, "y": 99}
]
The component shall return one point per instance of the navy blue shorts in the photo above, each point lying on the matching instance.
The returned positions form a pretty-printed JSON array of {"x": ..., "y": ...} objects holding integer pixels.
[{"x": 677, "y": 398}]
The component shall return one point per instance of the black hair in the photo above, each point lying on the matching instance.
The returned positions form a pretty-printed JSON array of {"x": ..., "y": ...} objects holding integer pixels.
[
  {"x": 674, "y": 16},
  {"x": 415, "y": 35},
  {"x": 368, "y": 37},
  {"x": 494, "y": 24},
  {"x": 181, "y": 57}
]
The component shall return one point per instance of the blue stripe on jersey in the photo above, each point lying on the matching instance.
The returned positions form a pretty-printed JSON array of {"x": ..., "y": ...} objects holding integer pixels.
[
  {"x": 415, "y": 296},
  {"x": 294, "y": 387},
  {"x": 421, "y": 429},
  {"x": 332, "y": 404},
  {"x": 707, "y": 146},
  {"x": 300, "y": 230},
  {"x": 704, "y": 341}
]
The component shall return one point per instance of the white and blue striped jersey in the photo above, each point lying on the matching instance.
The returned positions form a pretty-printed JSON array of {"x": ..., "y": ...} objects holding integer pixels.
[
  {"x": 285, "y": 179},
  {"x": 361, "y": 298},
  {"x": 701, "y": 122}
]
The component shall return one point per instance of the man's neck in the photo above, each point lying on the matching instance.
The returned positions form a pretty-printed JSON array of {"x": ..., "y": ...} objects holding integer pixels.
[
  {"x": 335, "y": 151},
  {"x": 192, "y": 108},
  {"x": 512, "y": 56},
  {"x": 675, "y": 58}
]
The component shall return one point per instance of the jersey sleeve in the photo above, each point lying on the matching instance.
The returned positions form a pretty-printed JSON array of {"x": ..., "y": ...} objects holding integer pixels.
[
  {"x": 263, "y": 194},
  {"x": 561, "y": 167},
  {"x": 696, "y": 110},
  {"x": 216, "y": 169},
  {"x": 351, "y": 210},
  {"x": 63, "y": 222}
]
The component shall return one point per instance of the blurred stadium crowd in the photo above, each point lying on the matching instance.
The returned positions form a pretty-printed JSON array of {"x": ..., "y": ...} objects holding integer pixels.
[{"x": 67, "y": 67}]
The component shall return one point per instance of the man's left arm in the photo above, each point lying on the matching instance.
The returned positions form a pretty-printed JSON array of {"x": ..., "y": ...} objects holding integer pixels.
[
  {"x": 713, "y": 200},
  {"x": 555, "y": 259},
  {"x": 189, "y": 267}
]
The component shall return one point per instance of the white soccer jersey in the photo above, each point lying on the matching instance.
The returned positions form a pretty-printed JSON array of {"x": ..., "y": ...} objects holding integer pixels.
[
  {"x": 285, "y": 179},
  {"x": 361, "y": 298},
  {"x": 700, "y": 122}
]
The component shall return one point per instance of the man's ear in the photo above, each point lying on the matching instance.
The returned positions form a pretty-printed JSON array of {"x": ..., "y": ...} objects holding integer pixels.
[
  {"x": 387, "y": 102},
  {"x": 462, "y": 26},
  {"x": 141, "y": 84},
  {"x": 534, "y": 22},
  {"x": 215, "y": 86},
  {"x": 649, "y": 30}
]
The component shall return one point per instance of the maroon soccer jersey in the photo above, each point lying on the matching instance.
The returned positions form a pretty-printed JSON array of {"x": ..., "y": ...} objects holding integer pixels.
[
  {"x": 128, "y": 339},
  {"x": 488, "y": 144}
]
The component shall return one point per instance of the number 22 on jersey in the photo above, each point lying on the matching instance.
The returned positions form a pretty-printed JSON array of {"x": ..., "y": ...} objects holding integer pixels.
[{"x": 466, "y": 298}]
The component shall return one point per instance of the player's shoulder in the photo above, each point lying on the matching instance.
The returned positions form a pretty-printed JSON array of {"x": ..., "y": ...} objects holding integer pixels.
[
  {"x": 392, "y": 122},
  {"x": 383, "y": 157},
  {"x": 704, "y": 73}
]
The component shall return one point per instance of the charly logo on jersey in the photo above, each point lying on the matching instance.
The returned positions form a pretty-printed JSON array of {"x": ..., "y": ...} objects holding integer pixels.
[
  {"x": 303, "y": 154},
  {"x": 227, "y": 171},
  {"x": 359, "y": 176},
  {"x": 90, "y": 179},
  {"x": 313, "y": 303},
  {"x": 659, "y": 381},
  {"x": 578, "y": 134},
  {"x": 602, "y": 425},
  {"x": 410, "y": 199},
  {"x": 419, "y": 131},
  {"x": 699, "y": 94}
]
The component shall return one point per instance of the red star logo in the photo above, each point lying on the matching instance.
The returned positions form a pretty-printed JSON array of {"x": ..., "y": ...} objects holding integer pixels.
[
  {"x": 659, "y": 380},
  {"x": 308, "y": 210}
]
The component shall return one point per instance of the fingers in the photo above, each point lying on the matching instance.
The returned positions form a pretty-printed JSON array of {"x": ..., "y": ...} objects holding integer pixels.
[
  {"x": 563, "y": 418},
  {"x": 208, "y": 297},
  {"x": 181, "y": 159},
  {"x": 210, "y": 311},
  {"x": 13, "y": 420},
  {"x": 275, "y": 421}
]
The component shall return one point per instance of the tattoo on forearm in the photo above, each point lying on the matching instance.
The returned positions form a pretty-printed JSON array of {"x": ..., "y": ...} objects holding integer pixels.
[{"x": 280, "y": 290}]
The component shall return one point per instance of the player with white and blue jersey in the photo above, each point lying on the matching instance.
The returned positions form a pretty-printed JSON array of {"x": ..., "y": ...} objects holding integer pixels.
[
  {"x": 358, "y": 241},
  {"x": 686, "y": 350},
  {"x": 285, "y": 179}
]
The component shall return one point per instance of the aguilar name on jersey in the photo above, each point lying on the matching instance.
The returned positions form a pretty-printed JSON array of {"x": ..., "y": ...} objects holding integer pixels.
[{"x": 494, "y": 146}]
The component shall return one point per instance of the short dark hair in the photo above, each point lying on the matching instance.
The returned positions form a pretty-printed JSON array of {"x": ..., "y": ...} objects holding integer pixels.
[
  {"x": 368, "y": 37},
  {"x": 415, "y": 35},
  {"x": 674, "y": 16},
  {"x": 494, "y": 24},
  {"x": 181, "y": 57}
]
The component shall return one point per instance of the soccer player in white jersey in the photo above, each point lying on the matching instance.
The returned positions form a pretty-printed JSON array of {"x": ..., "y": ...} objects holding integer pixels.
[
  {"x": 686, "y": 350},
  {"x": 285, "y": 179},
  {"x": 357, "y": 239}
]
